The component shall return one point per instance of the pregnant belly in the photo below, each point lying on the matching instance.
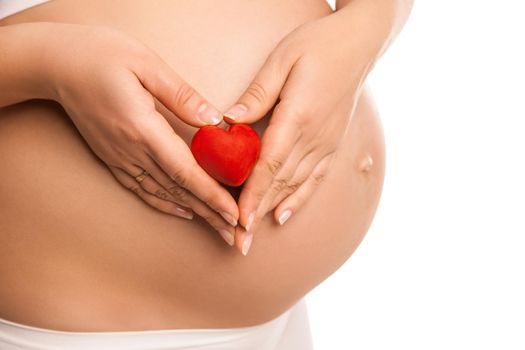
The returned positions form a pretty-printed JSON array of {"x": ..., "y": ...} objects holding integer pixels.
[{"x": 79, "y": 252}]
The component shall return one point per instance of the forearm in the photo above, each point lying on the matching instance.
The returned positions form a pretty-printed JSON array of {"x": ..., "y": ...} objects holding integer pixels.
[
  {"x": 23, "y": 62},
  {"x": 375, "y": 23}
]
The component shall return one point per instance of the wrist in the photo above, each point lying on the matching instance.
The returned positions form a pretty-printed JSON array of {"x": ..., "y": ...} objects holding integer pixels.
[
  {"x": 51, "y": 57},
  {"x": 24, "y": 76},
  {"x": 31, "y": 51},
  {"x": 371, "y": 25},
  {"x": 57, "y": 58}
]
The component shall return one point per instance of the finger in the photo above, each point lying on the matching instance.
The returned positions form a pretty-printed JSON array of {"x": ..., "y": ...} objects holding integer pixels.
[
  {"x": 170, "y": 207},
  {"x": 284, "y": 188},
  {"x": 182, "y": 195},
  {"x": 263, "y": 91},
  {"x": 157, "y": 185},
  {"x": 225, "y": 226},
  {"x": 163, "y": 205},
  {"x": 277, "y": 143},
  {"x": 286, "y": 181},
  {"x": 243, "y": 240},
  {"x": 174, "y": 158},
  {"x": 151, "y": 184},
  {"x": 294, "y": 202},
  {"x": 176, "y": 94}
]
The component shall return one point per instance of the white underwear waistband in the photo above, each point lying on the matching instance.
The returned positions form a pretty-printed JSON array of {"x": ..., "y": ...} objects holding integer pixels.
[{"x": 288, "y": 331}]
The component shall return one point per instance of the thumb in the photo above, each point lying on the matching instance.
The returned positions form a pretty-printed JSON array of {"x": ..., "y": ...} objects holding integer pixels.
[
  {"x": 262, "y": 93},
  {"x": 177, "y": 95}
]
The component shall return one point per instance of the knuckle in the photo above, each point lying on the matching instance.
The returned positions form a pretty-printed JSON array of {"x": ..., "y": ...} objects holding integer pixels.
[
  {"x": 259, "y": 194},
  {"x": 112, "y": 163},
  {"x": 161, "y": 194},
  {"x": 178, "y": 192},
  {"x": 133, "y": 136},
  {"x": 179, "y": 177},
  {"x": 136, "y": 189},
  {"x": 136, "y": 138},
  {"x": 292, "y": 187},
  {"x": 273, "y": 165},
  {"x": 280, "y": 184},
  {"x": 319, "y": 178},
  {"x": 302, "y": 119},
  {"x": 183, "y": 94},
  {"x": 299, "y": 114},
  {"x": 128, "y": 131},
  {"x": 257, "y": 91}
]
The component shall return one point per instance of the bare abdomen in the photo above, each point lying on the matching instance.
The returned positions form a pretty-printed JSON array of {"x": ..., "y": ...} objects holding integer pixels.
[{"x": 79, "y": 252}]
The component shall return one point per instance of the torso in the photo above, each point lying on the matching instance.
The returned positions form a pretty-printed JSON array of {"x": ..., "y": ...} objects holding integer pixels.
[{"x": 79, "y": 252}]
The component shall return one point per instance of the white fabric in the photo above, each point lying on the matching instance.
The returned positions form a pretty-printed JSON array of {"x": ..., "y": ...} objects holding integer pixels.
[
  {"x": 9, "y": 7},
  {"x": 289, "y": 331}
]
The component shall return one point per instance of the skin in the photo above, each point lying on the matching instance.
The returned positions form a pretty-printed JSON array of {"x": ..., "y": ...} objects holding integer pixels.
[
  {"x": 297, "y": 147},
  {"x": 313, "y": 73},
  {"x": 71, "y": 73},
  {"x": 87, "y": 246}
]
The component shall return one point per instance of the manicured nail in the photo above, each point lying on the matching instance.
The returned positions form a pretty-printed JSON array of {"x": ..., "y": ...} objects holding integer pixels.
[
  {"x": 236, "y": 111},
  {"x": 183, "y": 213},
  {"x": 285, "y": 215},
  {"x": 248, "y": 238},
  {"x": 228, "y": 236},
  {"x": 229, "y": 218},
  {"x": 249, "y": 222},
  {"x": 208, "y": 114}
]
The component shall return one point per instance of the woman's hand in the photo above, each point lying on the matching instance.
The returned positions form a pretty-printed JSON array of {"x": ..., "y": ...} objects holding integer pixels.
[
  {"x": 107, "y": 81},
  {"x": 315, "y": 74}
]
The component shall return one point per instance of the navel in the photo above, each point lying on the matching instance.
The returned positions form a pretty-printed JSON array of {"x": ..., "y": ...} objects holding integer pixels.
[{"x": 366, "y": 164}]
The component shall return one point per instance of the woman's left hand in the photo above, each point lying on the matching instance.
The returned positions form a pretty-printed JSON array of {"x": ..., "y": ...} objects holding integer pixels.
[{"x": 316, "y": 74}]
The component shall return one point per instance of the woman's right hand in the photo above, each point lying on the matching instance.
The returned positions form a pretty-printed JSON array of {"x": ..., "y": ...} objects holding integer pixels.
[{"x": 106, "y": 81}]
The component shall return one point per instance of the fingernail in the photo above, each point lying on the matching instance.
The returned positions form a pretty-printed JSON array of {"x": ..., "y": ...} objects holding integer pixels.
[
  {"x": 229, "y": 218},
  {"x": 183, "y": 213},
  {"x": 208, "y": 114},
  {"x": 285, "y": 215},
  {"x": 228, "y": 236},
  {"x": 247, "y": 243},
  {"x": 236, "y": 111},
  {"x": 249, "y": 222}
]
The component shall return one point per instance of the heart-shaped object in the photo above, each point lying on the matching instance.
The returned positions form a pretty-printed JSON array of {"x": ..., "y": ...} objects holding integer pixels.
[{"x": 228, "y": 155}]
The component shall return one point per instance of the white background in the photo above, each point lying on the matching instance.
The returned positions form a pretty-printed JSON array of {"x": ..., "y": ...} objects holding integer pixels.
[{"x": 443, "y": 264}]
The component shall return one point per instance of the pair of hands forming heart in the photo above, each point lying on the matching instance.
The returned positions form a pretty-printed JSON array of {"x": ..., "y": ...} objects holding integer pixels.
[{"x": 313, "y": 77}]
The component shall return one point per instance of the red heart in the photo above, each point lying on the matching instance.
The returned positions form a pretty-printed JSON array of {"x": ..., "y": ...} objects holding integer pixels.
[{"x": 227, "y": 155}]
